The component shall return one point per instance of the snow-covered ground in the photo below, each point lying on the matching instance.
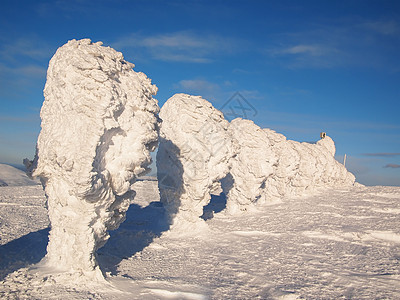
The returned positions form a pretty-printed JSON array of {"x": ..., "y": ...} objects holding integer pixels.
[{"x": 338, "y": 244}]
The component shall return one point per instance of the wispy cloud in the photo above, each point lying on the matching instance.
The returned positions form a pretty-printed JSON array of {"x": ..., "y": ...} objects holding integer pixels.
[
  {"x": 313, "y": 50},
  {"x": 29, "y": 47},
  {"x": 215, "y": 91},
  {"x": 394, "y": 166},
  {"x": 28, "y": 118},
  {"x": 198, "y": 85},
  {"x": 382, "y": 27},
  {"x": 343, "y": 44},
  {"x": 252, "y": 94},
  {"x": 182, "y": 46},
  {"x": 382, "y": 154},
  {"x": 306, "y": 55},
  {"x": 26, "y": 71}
]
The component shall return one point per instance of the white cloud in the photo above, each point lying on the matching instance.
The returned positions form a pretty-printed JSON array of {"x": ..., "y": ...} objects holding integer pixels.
[
  {"x": 383, "y": 27},
  {"x": 182, "y": 46},
  {"x": 345, "y": 43},
  {"x": 313, "y": 50},
  {"x": 393, "y": 166},
  {"x": 307, "y": 55},
  {"x": 32, "y": 48},
  {"x": 382, "y": 154},
  {"x": 201, "y": 86},
  {"x": 26, "y": 71},
  {"x": 252, "y": 94}
]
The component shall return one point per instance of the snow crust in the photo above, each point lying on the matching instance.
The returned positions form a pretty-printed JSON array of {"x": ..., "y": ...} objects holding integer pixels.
[
  {"x": 99, "y": 124},
  {"x": 193, "y": 156}
]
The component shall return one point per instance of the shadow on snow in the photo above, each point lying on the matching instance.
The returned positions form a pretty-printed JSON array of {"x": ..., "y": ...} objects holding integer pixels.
[
  {"x": 141, "y": 227},
  {"x": 217, "y": 204},
  {"x": 22, "y": 252}
]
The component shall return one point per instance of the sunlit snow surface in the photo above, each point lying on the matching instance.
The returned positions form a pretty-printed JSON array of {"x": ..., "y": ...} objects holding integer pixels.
[{"x": 337, "y": 244}]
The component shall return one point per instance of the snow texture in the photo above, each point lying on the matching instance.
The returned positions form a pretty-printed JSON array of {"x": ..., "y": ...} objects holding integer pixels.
[
  {"x": 99, "y": 124},
  {"x": 343, "y": 243},
  {"x": 193, "y": 156},
  {"x": 269, "y": 167}
]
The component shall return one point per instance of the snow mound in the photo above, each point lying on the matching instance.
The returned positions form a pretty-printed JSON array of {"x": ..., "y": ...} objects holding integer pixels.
[
  {"x": 250, "y": 168},
  {"x": 200, "y": 152},
  {"x": 193, "y": 156},
  {"x": 304, "y": 168},
  {"x": 99, "y": 124},
  {"x": 10, "y": 176},
  {"x": 270, "y": 167}
]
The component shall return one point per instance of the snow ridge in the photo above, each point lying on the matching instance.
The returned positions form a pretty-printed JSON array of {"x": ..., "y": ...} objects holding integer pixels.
[
  {"x": 200, "y": 152},
  {"x": 10, "y": 176},
  {"x": 269, "y": 167},
  {"x": 99, "y": 123}
]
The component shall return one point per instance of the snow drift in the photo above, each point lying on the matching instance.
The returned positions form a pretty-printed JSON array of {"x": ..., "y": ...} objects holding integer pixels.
[
  {"x": 193, "y": 156},
  {"x": 199, "y": 150},
  {"x": 99, "y": 123}
]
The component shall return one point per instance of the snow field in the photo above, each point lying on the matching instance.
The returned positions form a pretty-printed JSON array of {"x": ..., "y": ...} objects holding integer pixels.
[{"x": 335, "y": 244}]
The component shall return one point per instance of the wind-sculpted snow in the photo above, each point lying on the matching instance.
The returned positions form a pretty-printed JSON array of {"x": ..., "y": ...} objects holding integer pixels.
[
  {"x": 199, "y": 150},
  {"x": 269, "y": 167},
  {"x": 304, "y": 168},
  {"x": 250, "y": 168},
  {"x": 99, "y": 123},
  {"x": 193, "y": 156}
]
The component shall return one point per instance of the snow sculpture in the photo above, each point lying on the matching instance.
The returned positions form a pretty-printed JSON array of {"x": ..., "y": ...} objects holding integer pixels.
[
  {"x": 268, "y": 167},
  {"x": 304, "y": 168},
  {"x": 250, "y": 168},
  {"x": 99, "y": 123},
  {"x": 193, "y": 156}
]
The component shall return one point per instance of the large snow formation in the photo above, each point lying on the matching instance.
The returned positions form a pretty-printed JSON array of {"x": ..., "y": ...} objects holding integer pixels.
[
  {"x": 250, "y": 168},
  {"x": 193, "y": 156},
  {"x": 268, "y": 167},
  {"x": 99, "y": 123},
  {"x": 199, "y": 149}
]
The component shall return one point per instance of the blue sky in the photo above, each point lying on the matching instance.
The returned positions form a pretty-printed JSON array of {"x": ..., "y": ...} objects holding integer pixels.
[{"x": 304, "y": 66}]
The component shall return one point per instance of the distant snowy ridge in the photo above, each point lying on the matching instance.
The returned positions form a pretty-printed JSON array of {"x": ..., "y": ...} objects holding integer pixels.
[
  {"x": 10, "y": 176},
  {"x": 99, "y": 125}
]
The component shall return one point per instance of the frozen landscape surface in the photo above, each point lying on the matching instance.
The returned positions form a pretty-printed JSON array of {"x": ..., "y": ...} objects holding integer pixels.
[{"x": 341, "y": 243}]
